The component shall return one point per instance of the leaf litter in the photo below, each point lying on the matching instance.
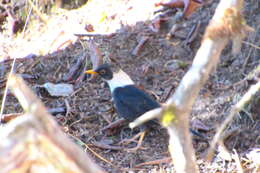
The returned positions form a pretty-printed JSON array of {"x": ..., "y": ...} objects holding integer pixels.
[{"x": 116, "y": 32}]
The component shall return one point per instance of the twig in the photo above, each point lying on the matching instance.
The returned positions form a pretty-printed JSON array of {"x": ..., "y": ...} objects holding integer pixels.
[
  {"x": 95, "y": 35},
  {"x": 155, "y": 162},
  {"x": 98, "y": 156},
  {"x": 106, "y": 118},
  {"x": 88, "y": 148},
  {"x": 244, "y": 100},
  {"x": 5, "y": 92},
  {"x": 246, "y": 60},
  {"x": 76, "y": 70},
  {"x": 251, "y": 76},
  {"x": 254, "y": 46},
  {"x": 230, "y": 133},
  {"x": 232, "y": 85},
  {"x": 107, "y": 147},
  {"x": 68, "y": 108},
  {"x": 168, "y": 94},
  {"x": 140, "y": 45},
  {"x": 75, "y": 122},
  {"x": 64, "y": 44},
  {"x": 38, "y": 12},
  {"x": 193, "y": 33},
  {"x": 173, "y": 30},
  {"x": 114, "y": 124},
  {"x": 27, "y": 20},
  {"x": 89, "y": 35},
  {"x": 152, "y": 114}
]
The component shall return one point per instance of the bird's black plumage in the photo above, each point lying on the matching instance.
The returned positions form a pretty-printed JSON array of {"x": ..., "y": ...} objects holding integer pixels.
[{"x": 131, "y": 102}]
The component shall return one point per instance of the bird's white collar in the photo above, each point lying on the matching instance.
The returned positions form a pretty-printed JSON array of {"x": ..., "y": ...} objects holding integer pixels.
[{"x": 120, "y": 79}]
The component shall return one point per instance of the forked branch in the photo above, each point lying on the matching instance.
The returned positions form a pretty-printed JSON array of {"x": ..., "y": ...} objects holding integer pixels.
[{"x": 226, "y": 24}]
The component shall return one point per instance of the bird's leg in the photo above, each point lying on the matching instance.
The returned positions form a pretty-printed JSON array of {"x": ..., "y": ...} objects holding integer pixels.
[
  {"x": 140, "y": 135},
  {"x": 139, "y": 143},
  {"x": 133, "y": 139}
]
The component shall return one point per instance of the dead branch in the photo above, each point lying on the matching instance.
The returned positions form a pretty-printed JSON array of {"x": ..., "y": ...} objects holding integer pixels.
[
  {"x": 8, "y": 117},
  {"x": 136, "y": 51},
  {"x": 226, "y": 24},
  {"x": 114, "y": 125},
  {"x": 35, "y": 142},
  {"x": 152, "y": 114},
  {"x": 193, "y": 33},
  {"x": 77, "y": 70},
  {"x": 107, "y": 147},
  {"x": 155, "y": 162}
]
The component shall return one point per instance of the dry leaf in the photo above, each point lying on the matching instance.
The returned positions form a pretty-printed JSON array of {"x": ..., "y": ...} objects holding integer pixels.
[{"x": 189, "y": 5}]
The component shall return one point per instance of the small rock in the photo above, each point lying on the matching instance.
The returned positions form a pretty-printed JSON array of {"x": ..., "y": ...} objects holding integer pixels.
[
  {"x": 174, "y": 64},
  {"x": 56, "y": 90}
]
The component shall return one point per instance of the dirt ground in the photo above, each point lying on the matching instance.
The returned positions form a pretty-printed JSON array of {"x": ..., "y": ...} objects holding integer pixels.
[{"x": 47, "y": 51}]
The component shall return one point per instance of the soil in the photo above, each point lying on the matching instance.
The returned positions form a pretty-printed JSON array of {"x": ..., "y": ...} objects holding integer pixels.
[{"x": 47, "y": 51}]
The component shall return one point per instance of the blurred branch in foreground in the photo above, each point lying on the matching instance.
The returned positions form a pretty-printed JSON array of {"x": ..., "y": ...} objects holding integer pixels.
[
  {"x": 226, "y": 24},
  {"x": 35, "y": 143}
]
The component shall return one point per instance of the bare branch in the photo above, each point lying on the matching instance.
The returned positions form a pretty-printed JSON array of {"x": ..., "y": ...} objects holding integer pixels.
[
  {"x": 226, "y": 24},
  {"x": 245, "y": 99},
  {"x": 152, "y": 114}
]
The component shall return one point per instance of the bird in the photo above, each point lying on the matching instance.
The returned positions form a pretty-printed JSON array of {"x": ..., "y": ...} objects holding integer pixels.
[{"x": 130, "y": 101}]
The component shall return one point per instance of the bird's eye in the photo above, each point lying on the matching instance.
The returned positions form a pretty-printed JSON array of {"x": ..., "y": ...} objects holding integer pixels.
[{"x": 102, "y": 72}]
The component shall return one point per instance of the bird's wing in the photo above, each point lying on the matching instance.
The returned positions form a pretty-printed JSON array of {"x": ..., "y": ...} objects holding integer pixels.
[{"x": 131, "y": 102}]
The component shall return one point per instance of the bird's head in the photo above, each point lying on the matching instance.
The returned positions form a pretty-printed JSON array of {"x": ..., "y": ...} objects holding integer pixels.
[
  {"x": 113, "y": 75},
  {"x": 103, "y": 70}
]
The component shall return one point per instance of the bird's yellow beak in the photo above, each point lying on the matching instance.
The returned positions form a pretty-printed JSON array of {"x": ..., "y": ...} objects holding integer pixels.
[{"x": 91, "y": 72}]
